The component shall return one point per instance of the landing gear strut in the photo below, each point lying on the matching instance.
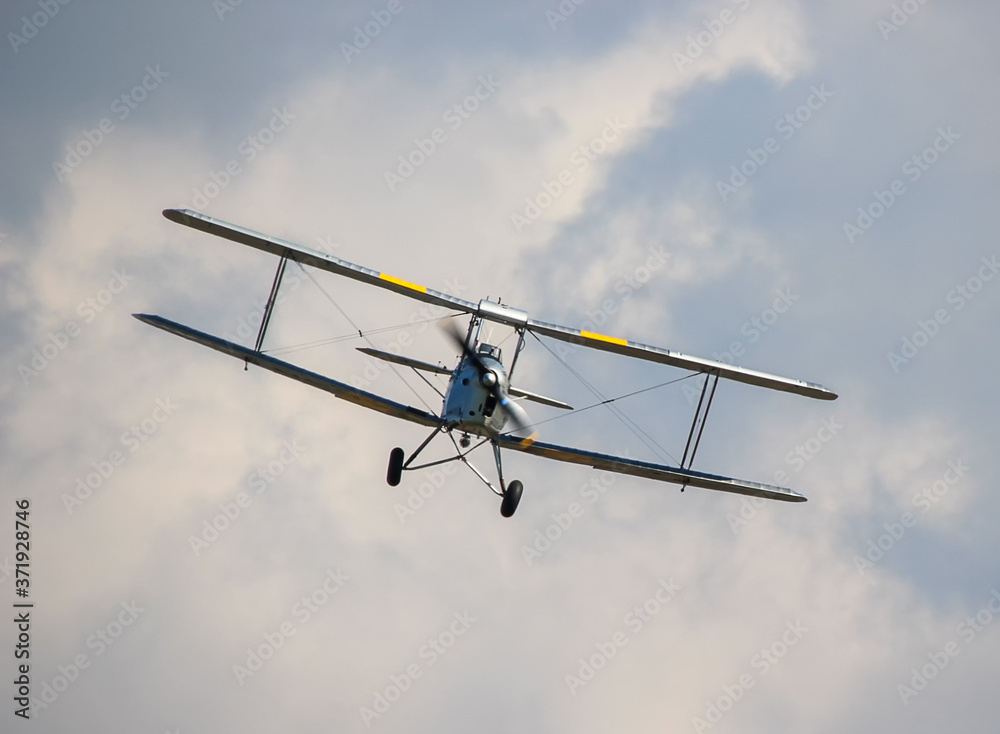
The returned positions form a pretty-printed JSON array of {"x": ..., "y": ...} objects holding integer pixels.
[{"x": 511, "y": 492}]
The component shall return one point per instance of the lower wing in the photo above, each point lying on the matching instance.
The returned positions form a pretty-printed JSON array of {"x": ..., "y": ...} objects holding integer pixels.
[
  {"x": 651, "y": 471},
  {"x": 338, "y": 389}
]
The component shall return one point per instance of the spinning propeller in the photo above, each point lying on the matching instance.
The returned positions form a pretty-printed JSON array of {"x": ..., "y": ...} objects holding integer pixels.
[{"x": 489, "y": 379}]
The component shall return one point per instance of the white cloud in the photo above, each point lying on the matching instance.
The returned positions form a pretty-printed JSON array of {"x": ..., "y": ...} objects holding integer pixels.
[{"x": 323, "y": 177}]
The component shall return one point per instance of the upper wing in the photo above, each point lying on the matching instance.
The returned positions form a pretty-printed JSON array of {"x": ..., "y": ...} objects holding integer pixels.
[
  {"x": 676, "y": 359},
  {"x": 489, "y": 310},
  {"x": 651, "y": 471},
  {"x": 321, "y": 260},
  {"x": 339, "y": 389}
]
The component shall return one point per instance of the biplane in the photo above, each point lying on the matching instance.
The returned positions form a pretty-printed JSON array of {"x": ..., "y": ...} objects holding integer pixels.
[{"x": 480, "y": 399}]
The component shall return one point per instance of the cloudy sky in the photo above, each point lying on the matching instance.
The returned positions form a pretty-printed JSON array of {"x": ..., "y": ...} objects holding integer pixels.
[{"x": 801, "y": 188}]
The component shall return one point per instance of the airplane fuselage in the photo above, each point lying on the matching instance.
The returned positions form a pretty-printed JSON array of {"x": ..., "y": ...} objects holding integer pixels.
[{"x": 469, "y": 403}]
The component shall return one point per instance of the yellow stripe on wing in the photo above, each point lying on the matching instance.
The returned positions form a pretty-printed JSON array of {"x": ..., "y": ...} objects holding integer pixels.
[
  {"x": 404, "y": 283},
  {"x": 603, "y": 338},
  {"x": 526, "y": 442}
]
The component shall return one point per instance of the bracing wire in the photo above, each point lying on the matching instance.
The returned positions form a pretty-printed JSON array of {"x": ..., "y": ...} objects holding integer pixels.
[
  {"x": 633, "y": 427},
  {"x": 576, "y": 411},
  {"x": 364, "y": 336},
  {"x": 274, "y": 351},
  {"x": 423, "y": 377}
]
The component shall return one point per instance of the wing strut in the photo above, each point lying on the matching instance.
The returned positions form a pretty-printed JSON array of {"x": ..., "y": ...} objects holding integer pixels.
[
  {"x": 269, "y": 308},
  {"x": 703, "y": 416}
]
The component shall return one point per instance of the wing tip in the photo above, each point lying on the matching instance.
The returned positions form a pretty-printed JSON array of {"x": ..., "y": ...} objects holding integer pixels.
[
  {"x": 180, "y": 216},
  {"x": 767, "y": 492}
]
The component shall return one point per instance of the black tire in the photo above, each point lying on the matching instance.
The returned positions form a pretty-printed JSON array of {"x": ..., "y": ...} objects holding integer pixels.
[
  {"x": 395, "y": 467},
  {"x": 510, "y": 498}
]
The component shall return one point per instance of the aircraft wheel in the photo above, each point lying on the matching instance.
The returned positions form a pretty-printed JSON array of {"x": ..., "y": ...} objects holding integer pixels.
[
  {"x": 510, "y": 498},
  {"x": 395, "y": 467}
]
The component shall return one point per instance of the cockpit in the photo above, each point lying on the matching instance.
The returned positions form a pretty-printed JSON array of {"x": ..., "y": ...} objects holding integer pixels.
[{"x": 488, "y": 350}]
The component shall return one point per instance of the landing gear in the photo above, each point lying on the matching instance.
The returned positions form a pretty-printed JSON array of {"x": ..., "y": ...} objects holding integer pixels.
[
  {"x": 511, "y": 496},
  {"x": 511, "y": 493},
  {"x": 395, "y": 472}
]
